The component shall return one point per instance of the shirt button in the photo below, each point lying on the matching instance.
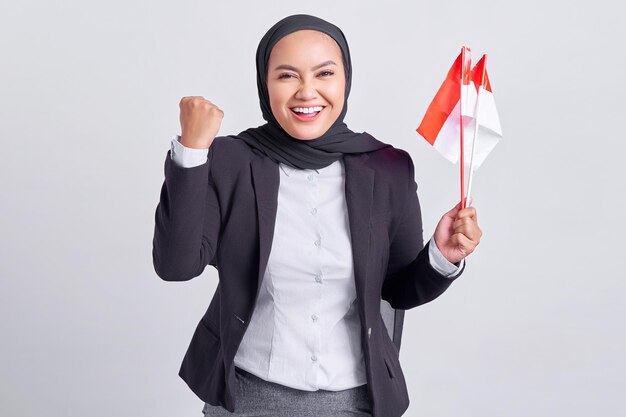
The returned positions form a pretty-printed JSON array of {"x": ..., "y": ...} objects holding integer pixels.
[
  {"x": 313, "y": 358},
  {"x": 318, "y": 278},
  {"x": 317, "y": 242},
  {"x": 314, "y": 210},
  {"x": 314, "y": 317},
  {"x": 310, "y": 177}
]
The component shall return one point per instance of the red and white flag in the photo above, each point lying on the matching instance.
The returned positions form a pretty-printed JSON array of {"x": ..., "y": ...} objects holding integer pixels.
[
  {"x": 441, "y": 124},
  {"x": 486, "y": 115}
]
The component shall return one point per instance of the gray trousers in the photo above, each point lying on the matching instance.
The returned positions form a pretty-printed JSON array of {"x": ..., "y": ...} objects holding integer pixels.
[{"x": 256, "y": 397}]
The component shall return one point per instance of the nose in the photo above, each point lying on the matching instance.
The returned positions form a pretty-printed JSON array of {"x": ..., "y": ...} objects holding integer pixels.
[{"x": 306, "y": 90}]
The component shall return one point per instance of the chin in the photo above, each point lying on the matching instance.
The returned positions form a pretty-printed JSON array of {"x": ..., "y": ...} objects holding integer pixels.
[{"x": 305, "y": 136}]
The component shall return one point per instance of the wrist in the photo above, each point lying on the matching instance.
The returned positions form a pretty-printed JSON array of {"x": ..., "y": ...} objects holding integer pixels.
[{"x": 195, "y": 143}]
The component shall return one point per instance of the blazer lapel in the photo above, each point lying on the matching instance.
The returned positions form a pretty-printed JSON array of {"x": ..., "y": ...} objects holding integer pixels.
[
  {"x": 265, "y": 178},
  {"x": 359, "y": 190},
  {"x": 359, "y": 195}
]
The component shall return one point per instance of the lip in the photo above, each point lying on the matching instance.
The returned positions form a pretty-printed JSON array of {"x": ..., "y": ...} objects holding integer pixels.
[{"x": 307, "y": 119}]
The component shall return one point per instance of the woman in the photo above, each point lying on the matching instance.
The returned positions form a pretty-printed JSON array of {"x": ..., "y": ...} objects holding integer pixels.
[{"x": 310, "y": 225}]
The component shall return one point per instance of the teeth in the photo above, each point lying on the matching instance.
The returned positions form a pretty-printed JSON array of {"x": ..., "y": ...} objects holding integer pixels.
[{"x": 307, "y": 110}]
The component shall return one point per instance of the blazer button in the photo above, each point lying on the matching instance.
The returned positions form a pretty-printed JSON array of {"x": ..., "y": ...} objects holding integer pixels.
[{"x": 369, "y": 332}]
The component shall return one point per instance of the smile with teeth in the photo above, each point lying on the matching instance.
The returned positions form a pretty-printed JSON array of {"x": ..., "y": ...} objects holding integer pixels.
[{"x": 307, "y": 111}]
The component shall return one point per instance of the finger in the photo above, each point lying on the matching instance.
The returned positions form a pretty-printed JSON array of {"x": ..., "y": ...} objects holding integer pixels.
[
  {"x": 466, "y": 223},
  {"x": 463, "y": 243},
  {"x": 462, "y": 221},
  {"x": 467, "y": 212},
  {"x": 468, "y": 227},
  {"x": 471, "y": 233}
]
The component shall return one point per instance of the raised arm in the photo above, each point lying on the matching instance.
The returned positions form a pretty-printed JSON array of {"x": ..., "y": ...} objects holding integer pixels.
[{"x": 188, "y": 218}]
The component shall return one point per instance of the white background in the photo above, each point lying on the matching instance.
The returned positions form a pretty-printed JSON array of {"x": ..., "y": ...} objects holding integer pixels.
[{"x": 89, "y": 97}]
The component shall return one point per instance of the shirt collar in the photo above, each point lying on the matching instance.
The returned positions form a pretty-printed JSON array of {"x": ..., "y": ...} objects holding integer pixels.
[{"x": 333, "y": 168}]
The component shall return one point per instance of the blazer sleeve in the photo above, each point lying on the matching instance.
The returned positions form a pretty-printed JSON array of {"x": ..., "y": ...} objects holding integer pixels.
[
  {"x": 410, "y": 279},
  {"x": 187, "y": 221}
]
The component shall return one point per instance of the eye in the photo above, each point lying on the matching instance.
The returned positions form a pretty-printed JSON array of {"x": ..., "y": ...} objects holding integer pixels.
[
  {"x": 326, "y": 73},
  {"x": 285, "y": 75}
]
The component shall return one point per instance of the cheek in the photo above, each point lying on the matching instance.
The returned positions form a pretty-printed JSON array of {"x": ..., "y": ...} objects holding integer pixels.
[
  {"x": 337, "y": 95},
  {"x": 278, "y": 97},
  {"x": 336, "y": 92}
]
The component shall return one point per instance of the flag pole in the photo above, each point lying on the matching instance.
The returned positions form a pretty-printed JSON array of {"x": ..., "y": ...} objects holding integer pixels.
[
  {"x": 482, "y": 86},
  {"x": 462, "y": 164}
]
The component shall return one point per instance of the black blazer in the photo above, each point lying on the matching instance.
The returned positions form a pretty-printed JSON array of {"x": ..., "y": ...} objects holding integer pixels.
[{"x": 222, "y": 214}]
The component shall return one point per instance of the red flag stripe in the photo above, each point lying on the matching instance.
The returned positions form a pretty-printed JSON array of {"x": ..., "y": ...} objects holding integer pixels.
[
  {"x": 442, "y": 105},
  {"x": 480, "y": 76}
]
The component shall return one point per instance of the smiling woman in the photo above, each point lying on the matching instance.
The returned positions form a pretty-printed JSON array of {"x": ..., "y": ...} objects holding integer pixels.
[
  {"x": 311, "y": 226},
  {"x": 306, "y": 84}
]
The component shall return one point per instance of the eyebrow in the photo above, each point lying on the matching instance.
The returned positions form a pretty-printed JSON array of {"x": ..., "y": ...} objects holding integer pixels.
[{"x": 289, "y": 67}]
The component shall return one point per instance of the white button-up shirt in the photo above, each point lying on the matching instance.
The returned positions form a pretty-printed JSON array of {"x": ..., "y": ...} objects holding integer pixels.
[{"x": 305, "y": 329}]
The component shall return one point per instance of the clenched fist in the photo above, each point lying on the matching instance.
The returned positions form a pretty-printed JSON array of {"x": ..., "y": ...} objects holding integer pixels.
[{"x": 200, "y": 120}]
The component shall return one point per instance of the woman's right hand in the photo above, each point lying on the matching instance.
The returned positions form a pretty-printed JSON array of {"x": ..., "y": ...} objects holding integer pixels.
[{"x": 200, "y": 120}]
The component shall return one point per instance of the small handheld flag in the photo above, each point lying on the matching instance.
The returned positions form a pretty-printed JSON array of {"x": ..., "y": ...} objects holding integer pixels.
[
  {"x": 486, "y": 120},
  {"x": 441, "y": 125},
  {"x": 464, "y": 101}
]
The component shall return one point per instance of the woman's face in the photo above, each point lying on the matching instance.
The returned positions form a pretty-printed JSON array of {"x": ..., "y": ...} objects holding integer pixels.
[{"x": 306, "y": 83}]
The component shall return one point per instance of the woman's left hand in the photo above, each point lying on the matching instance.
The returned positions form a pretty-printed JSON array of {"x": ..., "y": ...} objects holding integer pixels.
[{"x": 457, "y": 233}]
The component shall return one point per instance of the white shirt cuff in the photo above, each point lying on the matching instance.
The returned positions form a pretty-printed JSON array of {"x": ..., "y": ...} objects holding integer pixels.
[
  {"x": 187, "y": 157},
  {"x": 440, "y": 263}
]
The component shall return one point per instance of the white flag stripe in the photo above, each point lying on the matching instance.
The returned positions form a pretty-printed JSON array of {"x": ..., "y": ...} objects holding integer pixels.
[
  {"x": 488, "y": 116},
  {"x": 489, "y": 130},
  {"x": 447, "y": 142},
  {"x": 486, "y": 141}
]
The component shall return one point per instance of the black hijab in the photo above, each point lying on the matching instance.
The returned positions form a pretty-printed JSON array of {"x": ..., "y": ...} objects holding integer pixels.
[{"x": 272, "y": 140}]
